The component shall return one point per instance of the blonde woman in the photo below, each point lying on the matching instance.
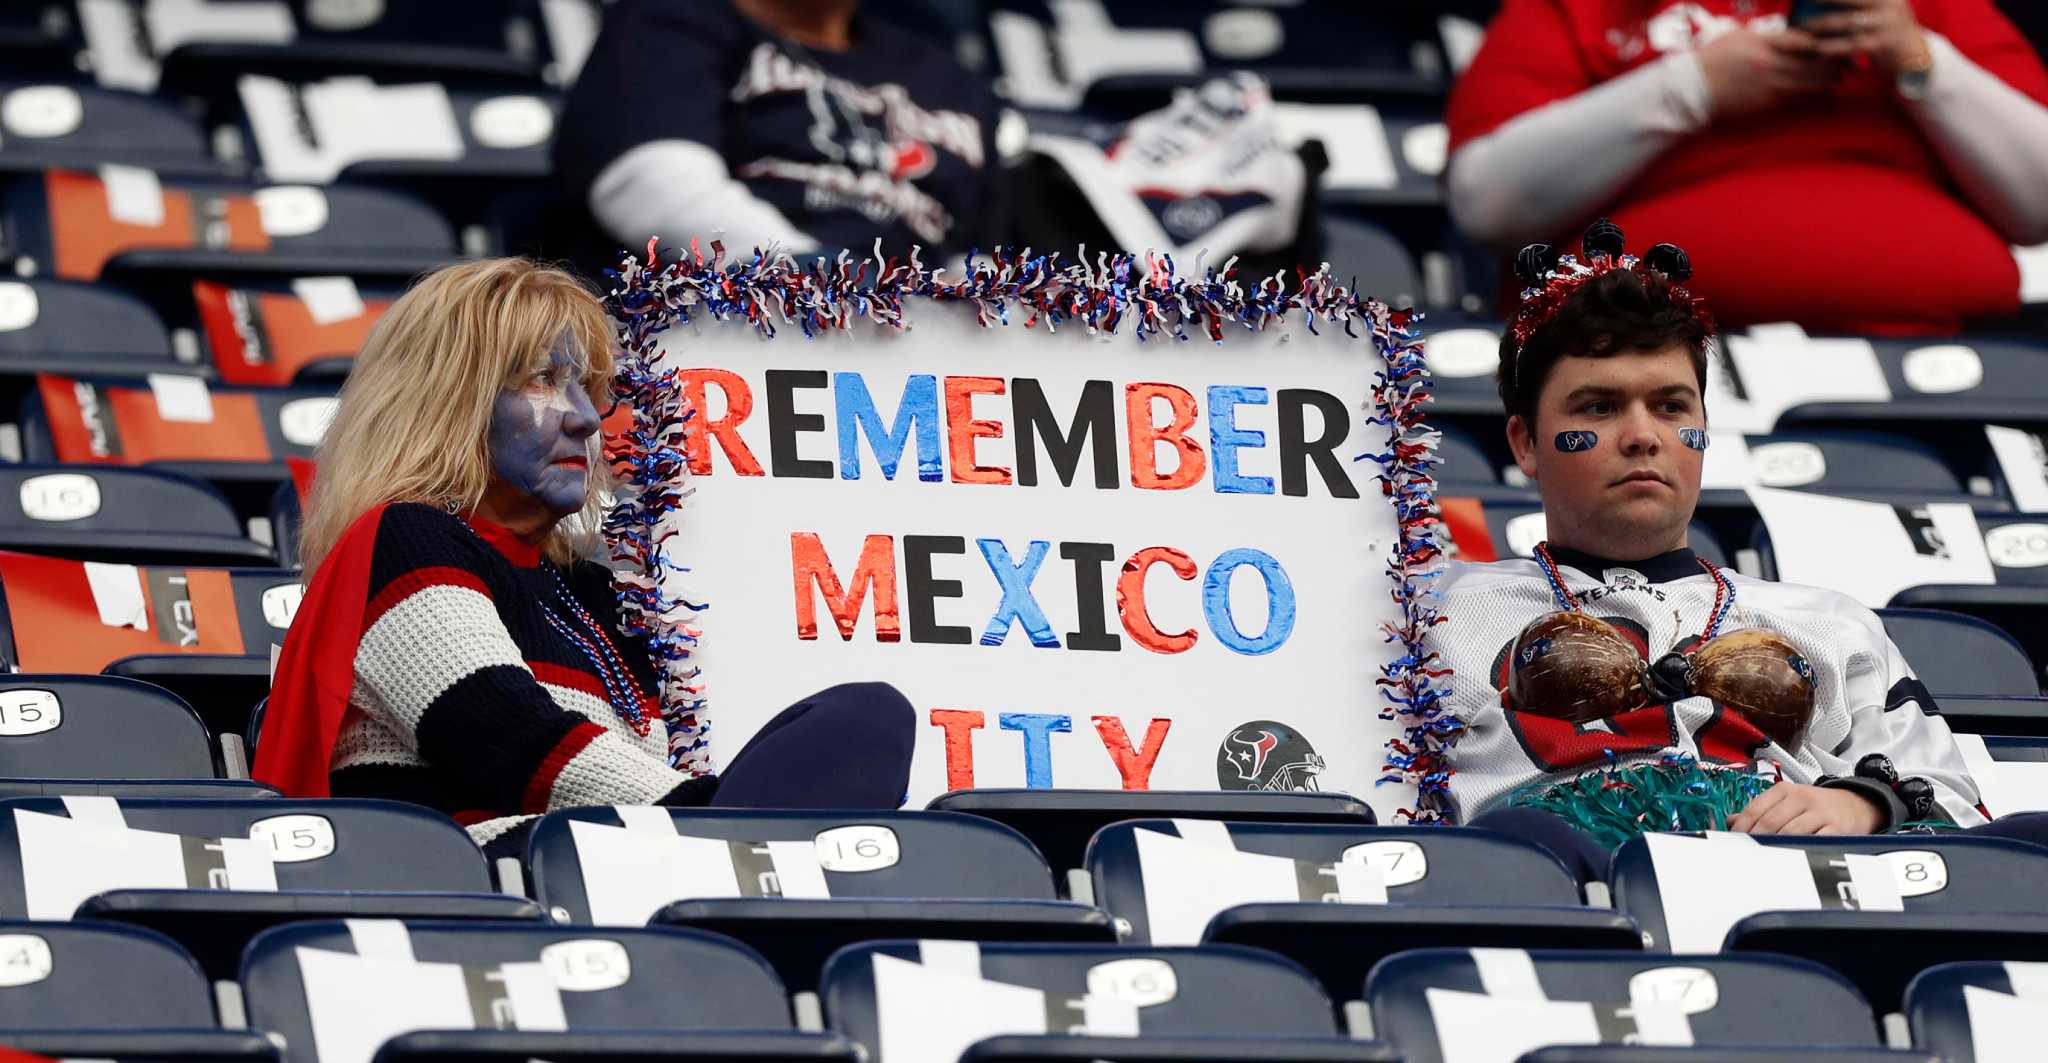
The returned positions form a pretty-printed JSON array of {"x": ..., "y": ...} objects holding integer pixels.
[{"x": 455, "y": 648}]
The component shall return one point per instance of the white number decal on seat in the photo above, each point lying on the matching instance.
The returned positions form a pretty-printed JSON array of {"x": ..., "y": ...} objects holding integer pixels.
[
  {"x": 861, "y": 847},
  {"x": 295, "y": 839},
  {"x": 24, "y": 959},
  {"x": 587, "y": 965},
  {"x": 29, "y": 712}
]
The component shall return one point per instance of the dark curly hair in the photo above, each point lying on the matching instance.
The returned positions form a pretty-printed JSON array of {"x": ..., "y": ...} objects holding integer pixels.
[{"x": 1617, "y": 312}]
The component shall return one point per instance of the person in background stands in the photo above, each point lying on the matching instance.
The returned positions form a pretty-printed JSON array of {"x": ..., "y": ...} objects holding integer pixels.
[
  {"x": 800, "y": 125},
  {"x": 457, "y": 648},
  {"x": 1889, "y": 151}
]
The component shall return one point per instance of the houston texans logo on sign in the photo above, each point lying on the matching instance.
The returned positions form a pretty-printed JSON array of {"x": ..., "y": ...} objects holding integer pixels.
[{"x": 1263, "y": 755}]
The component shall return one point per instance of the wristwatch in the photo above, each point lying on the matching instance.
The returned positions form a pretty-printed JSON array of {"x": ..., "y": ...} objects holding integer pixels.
[{"x": 1914, "y": 75}]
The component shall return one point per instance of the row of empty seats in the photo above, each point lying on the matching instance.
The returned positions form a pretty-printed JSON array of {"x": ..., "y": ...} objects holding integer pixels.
[{"x": 1427, "y": 927}]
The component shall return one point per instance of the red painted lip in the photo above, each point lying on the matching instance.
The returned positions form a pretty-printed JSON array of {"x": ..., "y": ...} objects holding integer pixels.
[{"x": 581, "y": 463}]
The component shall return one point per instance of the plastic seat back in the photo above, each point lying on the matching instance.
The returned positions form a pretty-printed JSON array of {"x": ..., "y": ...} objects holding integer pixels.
[
  {"x": 87, "y": 726},
  {"x": 1958, "y": 654},
  {"x": 86, "y": 976},
  {"x": 1492, "y": 995},
  {"x": 1451, "y": 865},
  {"x": 922, "y": 855},
  {"x": 299, "y": 979}
]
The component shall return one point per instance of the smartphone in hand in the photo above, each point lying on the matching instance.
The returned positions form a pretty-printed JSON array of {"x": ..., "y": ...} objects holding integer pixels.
[{"x": 1805, "y": 10}]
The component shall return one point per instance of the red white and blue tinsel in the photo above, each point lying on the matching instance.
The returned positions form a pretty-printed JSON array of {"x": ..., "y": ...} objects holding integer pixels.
[
  {"x": 771, "y": 291},
  {"x": 648, "y": 461}
]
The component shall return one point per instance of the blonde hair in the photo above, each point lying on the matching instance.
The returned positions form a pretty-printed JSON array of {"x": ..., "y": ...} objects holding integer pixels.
[{"x": 415, "y": 415}]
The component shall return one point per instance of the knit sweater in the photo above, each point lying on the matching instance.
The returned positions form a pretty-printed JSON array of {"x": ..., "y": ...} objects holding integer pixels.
[{"x": 468, "y": 699}]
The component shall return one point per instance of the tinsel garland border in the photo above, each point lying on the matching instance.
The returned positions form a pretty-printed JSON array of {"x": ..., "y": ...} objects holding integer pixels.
[{"x": 768, "y": 291}]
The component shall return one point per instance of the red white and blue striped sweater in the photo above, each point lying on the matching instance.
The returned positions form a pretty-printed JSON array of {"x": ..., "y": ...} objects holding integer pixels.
[{"x": 466, "y": 699}]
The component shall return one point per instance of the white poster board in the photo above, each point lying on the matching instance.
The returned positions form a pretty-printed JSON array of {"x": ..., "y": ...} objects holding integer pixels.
[{"x": 1200, "y": 625}]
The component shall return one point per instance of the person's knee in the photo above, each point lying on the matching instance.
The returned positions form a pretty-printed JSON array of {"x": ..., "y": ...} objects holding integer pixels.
[{"x": 879, "y": 705}]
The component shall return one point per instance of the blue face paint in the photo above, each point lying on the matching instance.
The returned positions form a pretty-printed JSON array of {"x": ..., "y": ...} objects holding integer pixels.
[
  {"x": 1577, "y": 442},
  {"x": 1696, "y": 438},
  {"x": 539, "y": 432}
]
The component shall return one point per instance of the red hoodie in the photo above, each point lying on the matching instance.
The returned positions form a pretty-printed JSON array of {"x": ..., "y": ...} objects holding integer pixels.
[{"x": 1834, "y": 212}]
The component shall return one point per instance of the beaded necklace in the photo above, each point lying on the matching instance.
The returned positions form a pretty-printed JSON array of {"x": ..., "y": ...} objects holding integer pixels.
[
  {"x": 621, "y": 690},
  {"x": 1724, "y": 590}
]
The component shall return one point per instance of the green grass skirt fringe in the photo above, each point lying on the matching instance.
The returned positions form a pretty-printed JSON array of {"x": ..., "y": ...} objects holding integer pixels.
[{"x": 1675, "y": 794}]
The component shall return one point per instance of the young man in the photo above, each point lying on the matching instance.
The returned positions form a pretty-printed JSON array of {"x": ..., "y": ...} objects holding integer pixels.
[{"x": 1603, "y": 373}]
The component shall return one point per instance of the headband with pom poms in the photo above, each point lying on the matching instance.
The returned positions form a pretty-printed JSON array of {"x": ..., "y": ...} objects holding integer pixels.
[{"x": 1549, "y": 278}]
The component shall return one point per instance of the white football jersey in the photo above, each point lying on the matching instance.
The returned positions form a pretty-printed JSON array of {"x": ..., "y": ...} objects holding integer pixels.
[{"x": 1866, "y": 698}]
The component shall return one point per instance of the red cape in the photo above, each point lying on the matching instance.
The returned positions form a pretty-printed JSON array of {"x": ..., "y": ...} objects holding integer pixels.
[{"x": 316, "y": 669}]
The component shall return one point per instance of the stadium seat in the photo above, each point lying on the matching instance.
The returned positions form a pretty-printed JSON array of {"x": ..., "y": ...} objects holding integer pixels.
[
  {"x": 212, "y": 873},
  {"x": 179, "y": 423},
  {"x": 1966, "y": 381},
  {"x": 95, "y": 513},
  {"x": 1942, "y": 1000},
  {"x": 838, "y": 878},
  {"x": 40, "y": 39},
  {"x": 1996, "y": 716},
  {"x": 203, "y": 633},
  {"x": 1466, "y": 470},
  {"x": 1484, "y": 530},
  {"x": 1501, "y": 1001},
  {"x": 139, "y": 227},
  {"x": 57, "y": 126},
  {"x": 94, "y": 726},
  {"x": 1723, "y": 1054},
  {"x": 184, "y": 48},
  {"x": 1368, "y": 259},
  {"x": 1175, "y": 1003},
  {"x": 1060, "y": 822},
  {"x": 1878, "y": 466},
  {"x": 141, "y": 789},
  {"x": 148, "y": 1046},
  {"x": 349, "y": 127},
  {"x": 336, "y": 990},
  {"x": 1958, "y": 897},
  {"x": 1175, "y": 882},
  {"x": 84, "y": 976},
  {"x": 71, "y": 327},
  {"x": 1101, "y": 54},
  {"x": 275, "y": 334},
  {"x": 1955, "y": 654}
]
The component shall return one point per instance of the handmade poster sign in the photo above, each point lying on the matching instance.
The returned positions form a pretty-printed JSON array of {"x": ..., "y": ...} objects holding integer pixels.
[{"x": 1089, "y": 559}]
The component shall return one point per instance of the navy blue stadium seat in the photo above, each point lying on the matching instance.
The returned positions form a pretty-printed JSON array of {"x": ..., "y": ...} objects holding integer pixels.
[
  {"x": 1936, "y": 1011},
  {"x": 625, "y": 993},
  {"x": 1369, "y": 259},
  {"x": 1189, "y": 1002},
  {"x": 501, "y": 135},
  {"x": 70, "y": 224},
  {"x": 61, "y": 326},
  {"x": 139, "y": 789},
  {"x": 1846, "y": 463},
  {"x": 52, "y": 125},
  {"x": 1120, "y": 55},
  {"x": 1453, "y": 885},
  {"x": 2004, "y": 385},
  {"x": 1468, "y": 471},
  {"x": 1723, "y": 1054},
  {"x": 137, "y": 516},
  {"x": 148, "y": 1046},
  {"x": 1996, "y": 716},
  {"x": 88, "y": 977},
  {"x": 1956, "y": 654},
  {"x": 915, "y": 874},
  {"x": 488, "y": 41},
  {"x": 1060, "y": 822},
  {"x": 334, "y": 858},
  {"x": 91, "y": 726},
  {"x": 1746, "y": 1000},
  {"x": 1983, "y": 897}
]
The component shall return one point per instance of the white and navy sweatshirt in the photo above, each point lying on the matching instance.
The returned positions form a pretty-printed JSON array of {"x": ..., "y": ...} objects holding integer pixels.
[{"x": 469, "y": 701}]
